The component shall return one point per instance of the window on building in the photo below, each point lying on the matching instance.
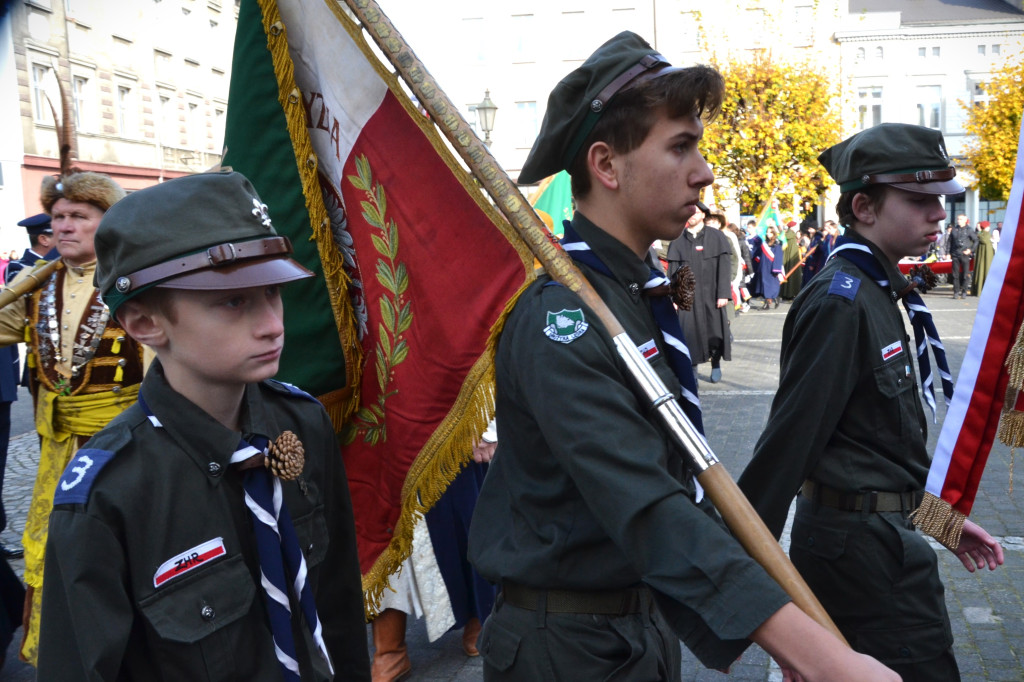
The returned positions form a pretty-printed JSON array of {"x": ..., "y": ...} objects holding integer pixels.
[
  {"x": 929, "y": 106},
  {"x": 922, "y": 52},
  {"x": 574, "y": 37},
  {"x": 936, "y": 51},
  {"x": 524, "y": 39},
  {"x": 165, "y": 126},
  {"x": 218, "y": 128},
  {"x": 979, "y": 96},
  {"x": 981, "y": 49},
  {"x": 78, "y": 87},
  {"x": 861, "y": 54},
  {"x": 196, "y": 138},
  {"x": 995, "y": 48},
  {"x": 879, "y": 52},
  {"x": 163, "y": 65},
  {"x": 757, "y": 24},
  {"x": 124, "y": 97},
  {"x": 526, "y": 123},
  {"x": 40, "y": 109},
  {"x": 689, "y": 31},
  {"x": 869, "y": 107}
]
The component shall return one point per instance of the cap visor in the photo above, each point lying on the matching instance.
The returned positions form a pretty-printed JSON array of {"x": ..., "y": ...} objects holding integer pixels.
[
  {"x": 943, "y": 187},
  {"x": 252, "y": 273}
]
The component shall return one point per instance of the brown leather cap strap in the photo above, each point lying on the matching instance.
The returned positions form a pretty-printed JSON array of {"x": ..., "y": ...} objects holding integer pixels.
[
  {"x": 919, "y": 176},
  {"x": 215, "y": 256}
]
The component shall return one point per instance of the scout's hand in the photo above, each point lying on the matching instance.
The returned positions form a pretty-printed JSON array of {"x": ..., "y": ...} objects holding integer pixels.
[
  {"x": 484, "y": 452},
  {"x": 720, "y": 303},
  {"x": 978, "y": 548}
]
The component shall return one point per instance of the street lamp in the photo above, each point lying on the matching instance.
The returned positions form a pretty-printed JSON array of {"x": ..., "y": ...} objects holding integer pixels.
[{"x": 485, "y": 115}]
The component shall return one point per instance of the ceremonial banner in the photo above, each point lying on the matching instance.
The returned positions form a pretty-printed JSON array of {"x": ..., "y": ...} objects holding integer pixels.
[
  {"x": 973, "y": 416},
  {"x": 554, "y": 202},
  {"x": 415, "y": 267}
]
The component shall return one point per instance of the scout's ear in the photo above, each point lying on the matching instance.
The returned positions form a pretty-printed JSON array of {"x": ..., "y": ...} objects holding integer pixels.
[
  {"x": 603, "y": 165},
  {"x": 143, "y": 322},
  {"x": 864, "y": 209}
]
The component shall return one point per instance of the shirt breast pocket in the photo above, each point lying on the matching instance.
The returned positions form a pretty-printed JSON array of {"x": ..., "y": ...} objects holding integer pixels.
[
  {"x": 896, "y": 384},
  {"x": 199, "y": 623},
  {"x": 311, "y": 530}
]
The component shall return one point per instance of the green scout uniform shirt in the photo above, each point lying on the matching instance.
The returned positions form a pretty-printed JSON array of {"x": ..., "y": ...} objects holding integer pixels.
[
  {"x": 169, "y": 489},
  {"x": 585, "y": 491},
  {"x": 847, "y": 415},
  {"x": 842, "y": 416}
]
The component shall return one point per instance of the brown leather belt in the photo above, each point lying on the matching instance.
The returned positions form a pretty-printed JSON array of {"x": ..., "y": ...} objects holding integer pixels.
[
  {"x": 872, "y": 501},
  {"x": 603, "y": 602}
]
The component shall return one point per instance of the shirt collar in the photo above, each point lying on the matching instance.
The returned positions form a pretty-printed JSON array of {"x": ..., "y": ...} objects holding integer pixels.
[
  {"x": 620, "y": 259},
  {"x": 897, "y": 282},
  {"x": 208, "y": 443}
]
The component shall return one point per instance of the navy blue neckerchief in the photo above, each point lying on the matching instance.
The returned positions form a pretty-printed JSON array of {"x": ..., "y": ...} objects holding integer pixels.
[
  {"x": 925, "y": 333},
  {"x": 282, "y": 565},
  {"x": 664, "y": 315}
]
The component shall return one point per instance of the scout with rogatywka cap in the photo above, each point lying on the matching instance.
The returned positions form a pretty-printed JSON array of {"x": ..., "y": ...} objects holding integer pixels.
[
  {"x": 218, "y": 235},
  {"x": 862, "y": 466},
  {"x": 585, "y": 467},
  {"x": 215, "y": 510}
]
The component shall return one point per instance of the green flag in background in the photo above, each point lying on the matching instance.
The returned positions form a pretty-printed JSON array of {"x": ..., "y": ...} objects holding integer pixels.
[{"x": 554, "y": 202}]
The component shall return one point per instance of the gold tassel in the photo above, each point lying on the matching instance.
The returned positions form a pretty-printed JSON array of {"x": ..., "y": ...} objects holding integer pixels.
[
  {"x": 937, "y": 518},
  {"x": 30, "y": 360},
  {"x": 118, "y": 374},
  {"x": 115, "y": 347},
  {"x": 1015, "y": 361}
]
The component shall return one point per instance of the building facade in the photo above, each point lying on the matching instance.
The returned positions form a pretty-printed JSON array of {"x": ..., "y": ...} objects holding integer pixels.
[
  {"x": 147, "y": 83},
  {"x": 923, "y": 62}
]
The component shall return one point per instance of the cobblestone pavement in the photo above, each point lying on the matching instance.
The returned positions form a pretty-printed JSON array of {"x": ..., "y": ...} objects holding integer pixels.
[{"x": 987, "y": 609}]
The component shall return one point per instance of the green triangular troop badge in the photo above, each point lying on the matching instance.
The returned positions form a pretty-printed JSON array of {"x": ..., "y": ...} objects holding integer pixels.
[{"x": 566, "y": 325}]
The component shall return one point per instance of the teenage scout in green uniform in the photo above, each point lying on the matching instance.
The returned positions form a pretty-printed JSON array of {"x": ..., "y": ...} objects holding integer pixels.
[
  {"x": 174, "y": 552},
  {"x": 588, "y": 517},
  {"x": 847, "y": 425}
]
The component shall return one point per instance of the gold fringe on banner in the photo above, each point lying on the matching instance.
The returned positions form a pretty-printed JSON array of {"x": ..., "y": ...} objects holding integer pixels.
[
  {"x": 443, "y": 456},
  {"x": 340, "y": 404},
  {"x": 937, "y": 518},
  {"x": 1015, "y": 361}
]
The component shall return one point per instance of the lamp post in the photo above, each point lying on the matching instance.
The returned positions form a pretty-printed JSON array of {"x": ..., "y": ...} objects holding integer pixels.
[{"x": 485, "y": 115}]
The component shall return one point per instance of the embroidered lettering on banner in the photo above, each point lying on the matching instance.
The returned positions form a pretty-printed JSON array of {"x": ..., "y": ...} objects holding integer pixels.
[
  {"x": 892, "y": 350},
  {"x": 189, "y": 560},
  {"x": 648, "y": 350}
]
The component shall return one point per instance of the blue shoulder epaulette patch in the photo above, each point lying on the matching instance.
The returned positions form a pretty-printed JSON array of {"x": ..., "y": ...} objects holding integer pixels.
[
  {"x": 77, "y": 479},
  {"x": 290, "y": 389},
  {"x": 844, "y": 285}
]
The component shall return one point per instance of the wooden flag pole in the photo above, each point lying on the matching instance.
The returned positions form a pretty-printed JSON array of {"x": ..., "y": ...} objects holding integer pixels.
[{"x": 733, "y": 506}]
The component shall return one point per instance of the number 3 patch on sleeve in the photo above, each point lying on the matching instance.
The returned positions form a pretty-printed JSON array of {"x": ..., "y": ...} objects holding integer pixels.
[{"x": 844, "y": 285}]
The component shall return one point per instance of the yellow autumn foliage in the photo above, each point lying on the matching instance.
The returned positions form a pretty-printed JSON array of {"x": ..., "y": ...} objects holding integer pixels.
[
  {"x": 994, "y": 129},
  {"x": 776, "y": 118}
]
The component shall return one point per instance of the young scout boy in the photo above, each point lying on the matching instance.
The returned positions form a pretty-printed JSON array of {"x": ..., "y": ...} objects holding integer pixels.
[
  {"x": 847, "y": 425},
  {"x": 163, "y": 562},
  {"x": 588, "y": 517}
]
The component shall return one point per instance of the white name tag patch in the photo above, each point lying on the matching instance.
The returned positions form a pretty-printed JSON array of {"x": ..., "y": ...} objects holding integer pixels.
[
  {"x": 648, "y": 350},
  {"x": 188, "y": 560},
  {"x": 892, "y": 350}
]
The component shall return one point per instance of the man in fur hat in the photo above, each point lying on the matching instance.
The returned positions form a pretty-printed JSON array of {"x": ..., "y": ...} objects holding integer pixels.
[{"x": 84, "y": 370}]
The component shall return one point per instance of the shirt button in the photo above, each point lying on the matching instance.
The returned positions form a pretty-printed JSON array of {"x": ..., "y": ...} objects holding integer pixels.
[
  {"x": 214, "y": 469},
  {"x": 905, "y": 652},
  {"x": 634, "y": 288},
  {"x": 810, "y": 542},
  {"x": 310, "y": 550},
  {"x": 207, "y": 613}
]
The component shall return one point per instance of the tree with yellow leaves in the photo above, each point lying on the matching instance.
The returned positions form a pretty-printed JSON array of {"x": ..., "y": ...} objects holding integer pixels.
[
  {"x": 994, "y": 128},
  {"x": 776, "y": 118}
]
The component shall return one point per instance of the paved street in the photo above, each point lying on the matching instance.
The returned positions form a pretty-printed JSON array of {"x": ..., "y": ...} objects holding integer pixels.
[{"x": 987, "y": 609}]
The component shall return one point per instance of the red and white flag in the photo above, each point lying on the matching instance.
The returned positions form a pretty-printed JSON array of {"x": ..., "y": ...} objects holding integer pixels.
[
  {"x": 417, "y": 266},
  {"x": 973, "y": 417}
]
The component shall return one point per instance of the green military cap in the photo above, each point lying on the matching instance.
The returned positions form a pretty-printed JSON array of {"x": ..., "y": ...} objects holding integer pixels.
[
  {"x": 906, "y": 156},
  {"x": 205, "y": 231},
  {"x": 579, "y": 99}
]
